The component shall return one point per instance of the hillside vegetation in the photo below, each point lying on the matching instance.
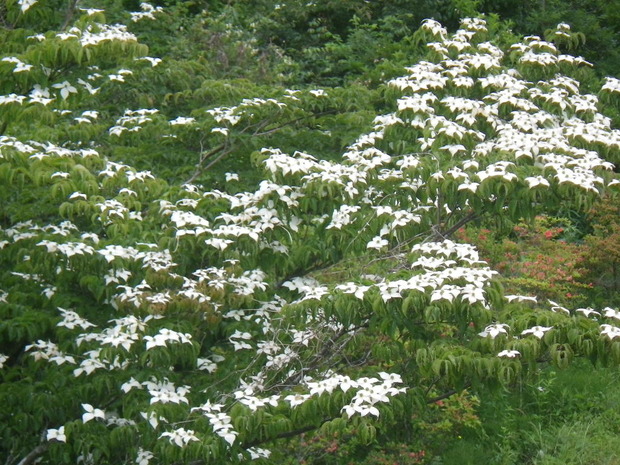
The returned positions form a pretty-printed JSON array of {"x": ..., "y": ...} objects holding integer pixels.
[{"x": 323, "y": 232}]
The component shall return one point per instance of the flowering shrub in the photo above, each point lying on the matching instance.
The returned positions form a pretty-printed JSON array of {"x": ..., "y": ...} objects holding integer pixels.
[{"x": 172, "y": 322}]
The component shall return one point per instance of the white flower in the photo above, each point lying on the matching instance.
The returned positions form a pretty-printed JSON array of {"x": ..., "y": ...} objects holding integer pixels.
[
  {"x": 391, "y": 378},
  {"x": 472, "y": 294},
  {"x": 454, "y": 148},
  {"x": 220, "y": 422},
  {"x": 88, "y": 366},
  {"x": 143, "y": 457},
  {"x": 92, "y": 413},
  {"x": 610, "y": 331},
  {"x": 148, "y": 11},
  {"x": 65, "y": 89},
  {"x": 218, "y": 243},
  {"x": 447, "y": 292},
  {"x": 91, "y": 11},
  {"x": 208, "y": 407},
  {"x": 587, "y": 311},
  {"x": 536, "y": 181},
  {"x": 253, "y": 403},
  {"x": 129, "y": 385},
  {"x": 12, "y": 98},
  {"x": 153, "y": 61},
  {"x": 181, "y": 437},
  {"x": 206, "y": 364},
  {"x": 470, "y": 186},
  {"x": 538, "y": 331},
  {"x": 237, "y": 340},
  {"x": 377, "y": 243},
  {"x": 297, "y": 399},
  {"x": 40, "y": 95},
  {"x": 65, "y": 36},
  {"x": 182, "y": 121},
  {"x": 56, "y": 434},
  {"x": 223, "y": 131},
  {"x": 555, "y": 307},
  {"x": 152, "y": 418},
  {"x": 72, "y": 320},
  {"x": 228, "y": 436},
  {"x": 26, "y": 4},
  {"x": 167, "y": 393},
  {"x": 509, "y": 353},
  {"x": 521, "y": 298},
  {"x": 164, "y": 336},
  {"x": 90, "y": 114},
  {"x": 494, "y": 330},
  {"x": 361, "y": 408},
  {"x": 20, "y": 66},
  {"x": 258, "y": 453},
  {"x": 611, "y": 313}
]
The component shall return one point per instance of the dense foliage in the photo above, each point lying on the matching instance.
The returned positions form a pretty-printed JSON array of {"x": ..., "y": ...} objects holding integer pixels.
[{"x": 162, "y": 301}]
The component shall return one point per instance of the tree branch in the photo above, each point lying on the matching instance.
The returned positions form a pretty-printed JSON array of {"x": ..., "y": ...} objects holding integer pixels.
[
  {"x": 71, "y": 6},
  {"x": 288, "y": 434},
  {"x": 260, "y": 125},
  {"x": 34, "y": 454},
  {"x": 445, "y": 395},
  {"x": 438, "y": 235},
  {"x": 329, "y": 351},
  {"x": 308, "y": 428},
  {"x": 293, "y": 121},
  {"x": 203, "y": 158},
  {"x": 218, "y": 158},
  {"x": 305, "y": 429},
  {"x": 462, "y": 222}
]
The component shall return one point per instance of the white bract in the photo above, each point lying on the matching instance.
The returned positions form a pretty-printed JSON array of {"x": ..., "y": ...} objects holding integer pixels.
[
  {"x": 90, "y": 413},
  {"x": 180, "y": 436},
  {"x": 25, "y": 5},
  {"x": 56, "y": 434},
  {"x": 537, "y": 331},
  {"x": 509, "y": 353},
  {"x": 495, "y": 330}
]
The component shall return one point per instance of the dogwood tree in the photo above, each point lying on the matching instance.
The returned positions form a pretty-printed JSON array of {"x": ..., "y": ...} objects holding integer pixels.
[{"x": 152, "y": 322}]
